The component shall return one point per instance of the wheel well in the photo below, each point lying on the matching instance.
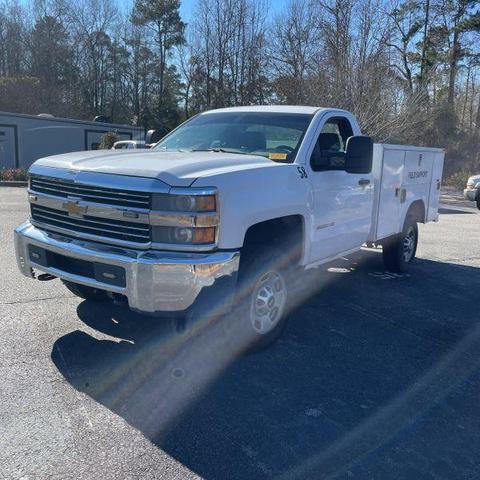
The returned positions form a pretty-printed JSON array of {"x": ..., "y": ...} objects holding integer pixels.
[
  {"x": 284, "y": 232},
  {"x": 417, "y": 211}
]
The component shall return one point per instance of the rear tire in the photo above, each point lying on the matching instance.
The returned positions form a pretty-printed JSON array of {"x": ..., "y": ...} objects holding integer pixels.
[
  {"x": 87, "y": 293},
  {"x": 399, "y": 251},
  {"x": 478, "y": 202}
]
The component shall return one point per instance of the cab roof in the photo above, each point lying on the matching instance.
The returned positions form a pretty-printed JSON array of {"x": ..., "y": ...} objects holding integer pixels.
[{"x": 270, "y": 109}]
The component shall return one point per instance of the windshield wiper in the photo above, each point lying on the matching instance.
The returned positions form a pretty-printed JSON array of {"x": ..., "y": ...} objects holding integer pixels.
[{"x": 217, "y": 150}]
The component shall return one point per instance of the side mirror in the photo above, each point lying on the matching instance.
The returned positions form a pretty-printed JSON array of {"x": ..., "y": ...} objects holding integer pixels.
[
  {"x": 152, "y": 136},
  {"x": 359, "y": 154}
]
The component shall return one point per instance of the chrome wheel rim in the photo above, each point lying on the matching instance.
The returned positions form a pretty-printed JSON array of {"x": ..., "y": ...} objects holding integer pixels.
[
  {"x": 409, "y": 244},
  {"x": 269, "y": 298}
]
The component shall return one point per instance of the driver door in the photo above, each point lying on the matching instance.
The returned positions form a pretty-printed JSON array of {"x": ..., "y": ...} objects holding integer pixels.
[{"x": 343, "y": 201}]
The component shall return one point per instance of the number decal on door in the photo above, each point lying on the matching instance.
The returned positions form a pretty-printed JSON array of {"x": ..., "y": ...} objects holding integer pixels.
[{"x": 302, "y": 172}]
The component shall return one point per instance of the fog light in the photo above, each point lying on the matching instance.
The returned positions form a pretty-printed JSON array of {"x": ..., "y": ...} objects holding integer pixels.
[{"x": 184, "y": 235}]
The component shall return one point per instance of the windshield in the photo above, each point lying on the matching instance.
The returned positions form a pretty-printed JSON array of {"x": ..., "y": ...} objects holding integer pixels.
[{"x": 276, "y": 136}]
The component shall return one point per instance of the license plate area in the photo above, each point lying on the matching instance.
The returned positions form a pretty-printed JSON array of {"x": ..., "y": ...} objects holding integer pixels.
[{"x": 101, "y": 272}]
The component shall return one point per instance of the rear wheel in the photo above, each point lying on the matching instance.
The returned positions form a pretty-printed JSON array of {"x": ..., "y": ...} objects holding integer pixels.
[
  {"x": 478, "y": 202},
  {"x": 87, "y": 293},
  {"x": 400, "y": 251}
]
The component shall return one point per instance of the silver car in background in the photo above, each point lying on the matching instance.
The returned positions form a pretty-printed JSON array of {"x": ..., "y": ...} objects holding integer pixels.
[{"x": 472, "y": 192}]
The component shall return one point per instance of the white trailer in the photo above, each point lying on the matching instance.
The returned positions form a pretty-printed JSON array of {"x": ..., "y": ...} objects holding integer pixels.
[{"x": 26, "y": 138}]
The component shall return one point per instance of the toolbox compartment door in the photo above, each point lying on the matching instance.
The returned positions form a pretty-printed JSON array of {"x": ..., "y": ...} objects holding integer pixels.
[
  {"x": 388, "y": 218},
  {"x": 434, "y": 200},
  {"x": 418, "y": 177}
]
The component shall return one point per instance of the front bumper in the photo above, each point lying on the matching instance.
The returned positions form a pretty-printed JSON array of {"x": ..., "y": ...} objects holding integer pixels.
[
  {"x": 470, "y": 194},
  {"x": 155, "y": 281}
]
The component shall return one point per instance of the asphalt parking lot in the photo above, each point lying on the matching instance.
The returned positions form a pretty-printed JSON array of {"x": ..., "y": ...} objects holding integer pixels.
[{"x": 376, "y": 377}]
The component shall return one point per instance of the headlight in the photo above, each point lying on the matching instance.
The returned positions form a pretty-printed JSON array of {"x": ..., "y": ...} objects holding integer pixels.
[
  {"x": 184, "y": 235},
  {"x": 171, "y": 202},
  {"x": 185, "y": 217}
]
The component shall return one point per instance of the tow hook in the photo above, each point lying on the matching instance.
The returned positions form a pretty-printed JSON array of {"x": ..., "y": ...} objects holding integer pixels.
[{"x": 45, "y": 277}]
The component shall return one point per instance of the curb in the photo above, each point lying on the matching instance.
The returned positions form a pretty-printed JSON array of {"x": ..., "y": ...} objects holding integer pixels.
[{"x": 13, "y": 184}]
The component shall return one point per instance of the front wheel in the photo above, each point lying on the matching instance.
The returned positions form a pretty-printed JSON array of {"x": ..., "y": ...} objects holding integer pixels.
[
  {"x": 400, "y": 251},
  {"x": 261, "y": 310}
]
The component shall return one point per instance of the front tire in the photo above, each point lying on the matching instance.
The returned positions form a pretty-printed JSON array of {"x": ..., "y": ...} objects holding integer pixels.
[
  {"x": 400, "y": 251},
  {"x": 87, "y": 293},
  {"x": 262, "y": 300}
]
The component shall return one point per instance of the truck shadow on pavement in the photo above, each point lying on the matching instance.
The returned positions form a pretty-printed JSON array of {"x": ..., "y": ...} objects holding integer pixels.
[{"x": 376, "y": 373}]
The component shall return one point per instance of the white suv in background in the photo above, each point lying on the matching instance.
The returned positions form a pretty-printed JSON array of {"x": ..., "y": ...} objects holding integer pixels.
[
  {"x": 472, "y": 192},
  {"x": 129, "y": 144}
]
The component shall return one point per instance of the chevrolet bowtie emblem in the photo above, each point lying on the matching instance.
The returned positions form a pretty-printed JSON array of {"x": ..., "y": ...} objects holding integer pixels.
[{"x": 74, "y": 209}]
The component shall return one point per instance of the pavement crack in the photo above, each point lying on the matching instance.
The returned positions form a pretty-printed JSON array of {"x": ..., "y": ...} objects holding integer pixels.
[{"x": 17, "y": 302}]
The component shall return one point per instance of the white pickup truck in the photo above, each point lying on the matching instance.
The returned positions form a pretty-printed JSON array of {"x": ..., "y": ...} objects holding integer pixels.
[{"x": 223, "y": 209}]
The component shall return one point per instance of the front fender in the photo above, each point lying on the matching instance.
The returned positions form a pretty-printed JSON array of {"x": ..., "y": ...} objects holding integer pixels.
[{"x": 252, "y": 196}]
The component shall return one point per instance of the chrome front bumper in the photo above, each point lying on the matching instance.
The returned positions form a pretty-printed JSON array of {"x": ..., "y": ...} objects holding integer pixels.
[
  {"x": 155, "y": 281},
  {"x": 470, "y": 194}
]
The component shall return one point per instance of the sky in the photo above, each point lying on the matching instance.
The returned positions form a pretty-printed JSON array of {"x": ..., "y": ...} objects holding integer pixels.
[{"x": 187, "y": 7}]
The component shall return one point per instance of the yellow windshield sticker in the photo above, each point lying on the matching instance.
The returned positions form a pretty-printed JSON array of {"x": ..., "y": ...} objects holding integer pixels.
[{"x": 277, "y": 156}]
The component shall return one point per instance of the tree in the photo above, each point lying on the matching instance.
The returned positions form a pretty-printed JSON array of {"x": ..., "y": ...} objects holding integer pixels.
[
  {"x": 91, "y": 24},
  {"x": 407, "y": 23},
  {"x": 50, "y": 61},
  {"x": 230, "y": 60},
  {"x": 138, "y": 72},
  {"x": 163, "y": 17},
  {"x": 294, "y": 50},
  {"x": 13, "y": 32}
]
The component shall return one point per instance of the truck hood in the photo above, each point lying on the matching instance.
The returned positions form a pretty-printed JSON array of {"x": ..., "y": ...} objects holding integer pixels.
[{"x": 177, "y": 169}]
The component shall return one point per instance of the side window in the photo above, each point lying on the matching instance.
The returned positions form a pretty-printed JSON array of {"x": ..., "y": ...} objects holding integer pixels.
[{"x": 329, "y": 151}]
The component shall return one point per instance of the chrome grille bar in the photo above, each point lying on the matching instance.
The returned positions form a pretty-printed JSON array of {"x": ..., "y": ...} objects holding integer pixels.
[
  {"x": 106, "y": 228},
  {"x": 109, "y": 196}
]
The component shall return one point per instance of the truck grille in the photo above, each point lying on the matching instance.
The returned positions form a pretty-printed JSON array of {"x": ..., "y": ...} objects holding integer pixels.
[
  {"x": 101, "y": 227},
  {"x": 108, "y": 196}
]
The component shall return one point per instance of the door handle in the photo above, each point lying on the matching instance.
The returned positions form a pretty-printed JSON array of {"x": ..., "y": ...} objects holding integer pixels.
[
  {"x": 402, "y": 193},
  {"x": 363, "y": 182}
]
